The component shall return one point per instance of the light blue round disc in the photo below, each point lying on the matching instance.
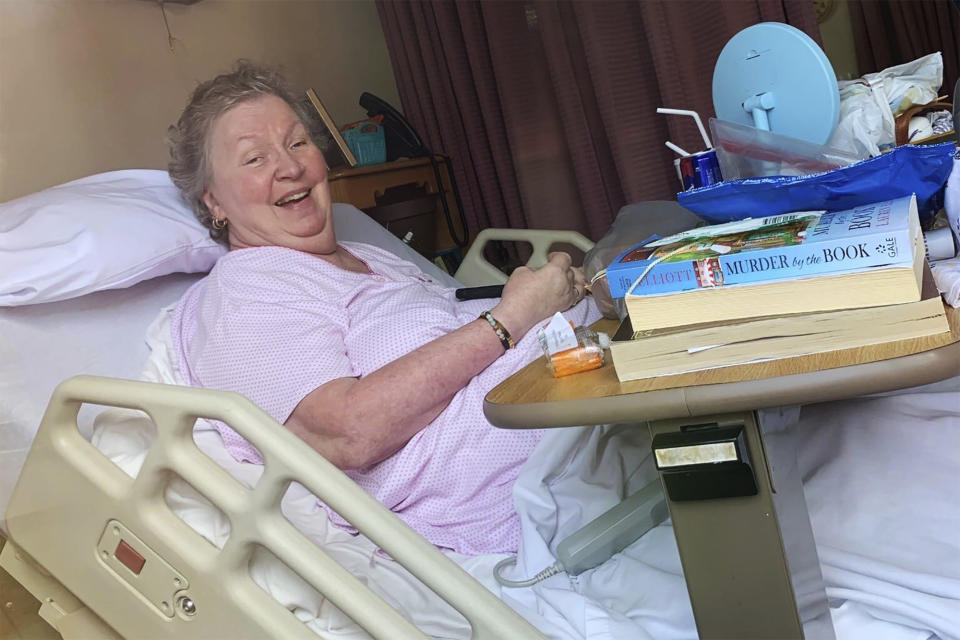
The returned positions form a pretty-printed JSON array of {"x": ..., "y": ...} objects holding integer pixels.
[{"x": 776, "y": 58}]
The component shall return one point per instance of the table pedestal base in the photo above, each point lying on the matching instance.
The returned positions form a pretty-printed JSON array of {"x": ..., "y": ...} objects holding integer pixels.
[{"x": 750, "y": 561}]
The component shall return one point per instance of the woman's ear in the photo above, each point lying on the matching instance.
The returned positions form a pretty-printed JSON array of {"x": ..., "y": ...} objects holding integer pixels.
[{"x": 212, "y": 204}]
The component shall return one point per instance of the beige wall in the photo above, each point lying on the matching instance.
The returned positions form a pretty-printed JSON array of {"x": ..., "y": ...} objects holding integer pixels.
[
  {"x": 837, "y": 34},
  {"x": 91, "y": 85}
]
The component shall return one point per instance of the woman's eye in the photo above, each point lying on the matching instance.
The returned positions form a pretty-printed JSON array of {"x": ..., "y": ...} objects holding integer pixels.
[
  {"x": 299, "y": 143},
  {"x": 252, "y": 160}
]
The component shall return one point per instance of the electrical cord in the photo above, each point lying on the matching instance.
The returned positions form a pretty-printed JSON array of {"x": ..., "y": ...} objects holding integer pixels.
[
  {"x": 552, "y": 570},
  {"x": 460, "y": 242},
  {"x": 601, "y": 538}
]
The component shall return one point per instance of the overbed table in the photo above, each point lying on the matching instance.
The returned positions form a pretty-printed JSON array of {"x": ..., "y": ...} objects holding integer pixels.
[{"x": 750, "y": 562}]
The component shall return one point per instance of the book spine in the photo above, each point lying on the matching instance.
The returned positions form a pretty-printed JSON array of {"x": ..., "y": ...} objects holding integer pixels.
[{"x": 768, "y": 265}]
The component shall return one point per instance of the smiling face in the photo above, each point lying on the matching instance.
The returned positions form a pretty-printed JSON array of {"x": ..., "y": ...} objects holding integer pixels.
[{"x": 268, "y": 179}]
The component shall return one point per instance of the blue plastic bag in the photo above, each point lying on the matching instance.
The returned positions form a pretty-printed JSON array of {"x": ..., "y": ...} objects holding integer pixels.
[{"x": 922, "y": 170}]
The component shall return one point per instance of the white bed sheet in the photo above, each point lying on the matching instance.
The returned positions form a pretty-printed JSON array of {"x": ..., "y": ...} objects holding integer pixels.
[
  {"x": 42, "y": 345},
  {"x": 881, "y": 484}
]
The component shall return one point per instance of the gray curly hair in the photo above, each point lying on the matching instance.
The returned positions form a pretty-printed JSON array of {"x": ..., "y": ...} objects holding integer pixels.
[{"x": 188, "y": 140}]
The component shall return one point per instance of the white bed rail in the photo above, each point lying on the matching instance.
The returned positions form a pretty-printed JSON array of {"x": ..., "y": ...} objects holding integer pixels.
[
  {"x": 72, "y": 505},
  {"x": 476, "y": 270}
]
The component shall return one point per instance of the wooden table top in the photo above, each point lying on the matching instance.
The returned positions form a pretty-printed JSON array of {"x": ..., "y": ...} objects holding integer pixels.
[{"x": 532, "y": 391}]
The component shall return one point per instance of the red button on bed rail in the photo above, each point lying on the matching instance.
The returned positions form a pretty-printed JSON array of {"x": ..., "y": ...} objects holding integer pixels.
[{"x": 129, "y": 558}]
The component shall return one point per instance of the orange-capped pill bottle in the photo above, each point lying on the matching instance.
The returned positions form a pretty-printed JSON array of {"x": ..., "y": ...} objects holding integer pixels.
[{"x": 587, "y": 355}]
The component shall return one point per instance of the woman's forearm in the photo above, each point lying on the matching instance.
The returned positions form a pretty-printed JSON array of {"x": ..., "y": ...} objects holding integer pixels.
[{"x": 356, "y": 422}]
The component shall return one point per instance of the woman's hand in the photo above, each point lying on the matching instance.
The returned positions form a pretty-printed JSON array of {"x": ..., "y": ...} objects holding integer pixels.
[{"x": 532, "y": 295}]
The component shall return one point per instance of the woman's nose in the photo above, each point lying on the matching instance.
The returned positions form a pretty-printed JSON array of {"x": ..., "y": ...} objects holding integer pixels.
[{"x": 289, "y": 166}]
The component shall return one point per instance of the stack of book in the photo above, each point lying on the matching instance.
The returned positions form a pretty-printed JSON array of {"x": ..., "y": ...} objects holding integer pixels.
[{"x": 775, "y": 287}]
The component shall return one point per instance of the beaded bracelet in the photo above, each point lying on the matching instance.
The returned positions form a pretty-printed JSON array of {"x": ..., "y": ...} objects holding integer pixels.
[{"x": 499, "y": 329}]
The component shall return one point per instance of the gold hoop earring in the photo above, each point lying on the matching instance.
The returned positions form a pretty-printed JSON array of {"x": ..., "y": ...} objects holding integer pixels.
[{"x": 219, "y": 223}]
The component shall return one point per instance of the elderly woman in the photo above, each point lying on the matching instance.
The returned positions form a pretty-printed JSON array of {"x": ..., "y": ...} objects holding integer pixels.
[{"x": 356, "y": 351}]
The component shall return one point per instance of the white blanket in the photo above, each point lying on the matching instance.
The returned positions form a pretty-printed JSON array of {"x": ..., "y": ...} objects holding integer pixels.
[{"x": 880, "y": 480}]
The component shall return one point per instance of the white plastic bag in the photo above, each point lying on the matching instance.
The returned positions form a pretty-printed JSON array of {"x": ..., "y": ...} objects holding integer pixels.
[
  {"x": 869, "y": 104},
  {"x": 910, "y": 83},
  {"x": 951, "y": 198},
  {"x": 946, "y": 273},
  {"x": 866, "y": 124}
]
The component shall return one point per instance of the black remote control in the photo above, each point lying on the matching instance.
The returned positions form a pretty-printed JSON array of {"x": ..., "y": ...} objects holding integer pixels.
[{"x": 477, "y": 293}]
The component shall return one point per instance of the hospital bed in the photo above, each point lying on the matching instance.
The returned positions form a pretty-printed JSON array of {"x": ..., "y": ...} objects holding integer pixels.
[
  {"x": 229, "y": 570},
  {"x": 73, "y": 506}
]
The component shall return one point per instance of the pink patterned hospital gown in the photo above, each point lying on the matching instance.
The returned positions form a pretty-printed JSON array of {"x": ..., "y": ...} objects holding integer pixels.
[{"x": 274, "y": 324}]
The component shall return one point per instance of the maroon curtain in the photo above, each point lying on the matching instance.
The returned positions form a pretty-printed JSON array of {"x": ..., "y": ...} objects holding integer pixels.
[
  {"x": 548, "y": 107},
  {"x": 891, "y": 32}
]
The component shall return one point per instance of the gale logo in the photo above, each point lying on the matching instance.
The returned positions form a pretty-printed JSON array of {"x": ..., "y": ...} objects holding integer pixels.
[{"x": 887, "y": 247}]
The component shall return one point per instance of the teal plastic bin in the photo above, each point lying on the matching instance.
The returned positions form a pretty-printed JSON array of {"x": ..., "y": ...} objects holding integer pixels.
[{"x": 367, "y": 142}]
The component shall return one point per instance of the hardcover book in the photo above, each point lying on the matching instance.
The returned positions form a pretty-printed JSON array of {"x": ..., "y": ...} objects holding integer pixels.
[
  {"x": 650, "y": 353},
  {"x": 769, "y": 249}
]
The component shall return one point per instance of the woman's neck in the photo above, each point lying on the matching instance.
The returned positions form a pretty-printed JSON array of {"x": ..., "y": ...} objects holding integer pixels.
[
  {"x": 339, "y": 257},
  {"x": 342, "y": 258}
]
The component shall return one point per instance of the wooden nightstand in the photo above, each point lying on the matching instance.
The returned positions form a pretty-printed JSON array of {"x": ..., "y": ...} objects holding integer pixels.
[{"x": 361, "y": 186}]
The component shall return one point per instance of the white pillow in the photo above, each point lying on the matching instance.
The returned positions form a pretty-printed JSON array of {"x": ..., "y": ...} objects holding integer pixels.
[{"x": 107, "y": 231}]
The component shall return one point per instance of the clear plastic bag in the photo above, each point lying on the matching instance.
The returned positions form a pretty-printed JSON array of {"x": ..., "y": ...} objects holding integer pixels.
[
  {"x": 748, "y": 152},
  {"x": 634, "y": 223}
]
